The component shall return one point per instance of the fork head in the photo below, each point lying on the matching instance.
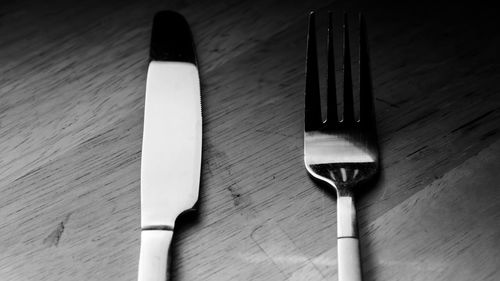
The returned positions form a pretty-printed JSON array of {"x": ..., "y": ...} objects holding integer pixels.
[{"x": 342, "y": 153}]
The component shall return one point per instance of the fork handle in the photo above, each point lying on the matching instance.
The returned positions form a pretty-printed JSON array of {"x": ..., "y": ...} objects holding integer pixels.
[{"x": 349, "y": 263}]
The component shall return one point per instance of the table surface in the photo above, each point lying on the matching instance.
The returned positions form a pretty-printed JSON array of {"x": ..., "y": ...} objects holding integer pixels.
[{"x": 72, "y": 81}]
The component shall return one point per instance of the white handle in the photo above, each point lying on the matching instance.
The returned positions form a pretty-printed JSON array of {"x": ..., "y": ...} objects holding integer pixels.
[
  {"x": 154, "y": 255},
  {"x": 349, "y": 264},
  {"x": 349, "y": 261}
]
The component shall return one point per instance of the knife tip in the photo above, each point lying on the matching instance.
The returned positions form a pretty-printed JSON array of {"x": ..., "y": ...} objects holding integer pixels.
[{"x": 171, "y": 38}]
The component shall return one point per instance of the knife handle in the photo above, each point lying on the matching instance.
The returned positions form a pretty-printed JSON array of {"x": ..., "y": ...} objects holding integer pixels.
[
  {"x": 349, "y": 262},
  {"x": 154, "y": 257}
]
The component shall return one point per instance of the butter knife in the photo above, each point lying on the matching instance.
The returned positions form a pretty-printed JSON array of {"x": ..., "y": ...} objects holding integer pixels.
[{"x": 171, "y": 146}]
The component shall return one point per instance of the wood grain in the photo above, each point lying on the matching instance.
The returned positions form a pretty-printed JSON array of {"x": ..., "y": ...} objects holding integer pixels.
[{"x": 72, "y": 79}]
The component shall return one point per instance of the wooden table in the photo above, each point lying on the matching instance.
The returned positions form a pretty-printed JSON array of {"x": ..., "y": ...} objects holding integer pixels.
[{"x": 72, "y": 79}]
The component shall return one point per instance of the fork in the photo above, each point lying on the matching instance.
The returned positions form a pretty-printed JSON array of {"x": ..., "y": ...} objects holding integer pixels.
[{"x": 343, "y": 154}]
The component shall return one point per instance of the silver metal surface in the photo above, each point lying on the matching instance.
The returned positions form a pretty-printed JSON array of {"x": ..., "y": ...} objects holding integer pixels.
[
  {"x": 171, "y": 147},
  {"x": 343, "y": 153}
]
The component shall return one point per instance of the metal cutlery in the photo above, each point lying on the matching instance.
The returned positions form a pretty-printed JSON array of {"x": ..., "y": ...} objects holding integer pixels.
[
  {"x": 343, "y": 154},
  {"x": 171, "y": 147}
]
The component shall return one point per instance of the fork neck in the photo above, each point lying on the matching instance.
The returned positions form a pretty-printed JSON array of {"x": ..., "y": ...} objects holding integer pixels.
[
  {"x": 342, "y": 191},
  {"x": 347, "y": 225}
]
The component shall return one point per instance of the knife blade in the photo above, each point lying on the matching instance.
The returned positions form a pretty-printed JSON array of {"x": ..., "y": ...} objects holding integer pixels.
[{"x": 171, "y": 146}]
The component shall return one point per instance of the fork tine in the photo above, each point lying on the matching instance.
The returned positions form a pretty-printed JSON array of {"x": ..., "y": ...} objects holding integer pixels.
[
  {"x": 312, "y": 116},
  {"x": 332, "y": 117},
  {"x": 348, "y": 115},
  {"x": 365, "y": 87}
]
